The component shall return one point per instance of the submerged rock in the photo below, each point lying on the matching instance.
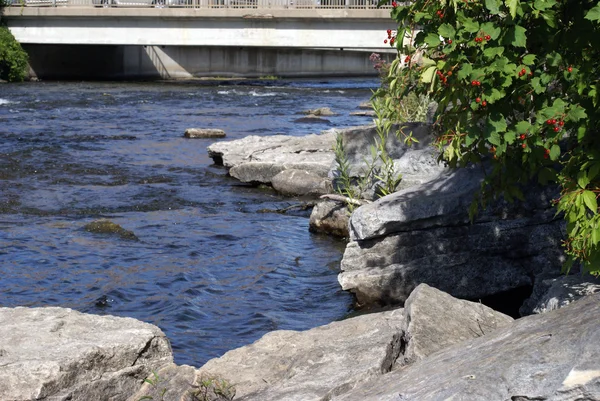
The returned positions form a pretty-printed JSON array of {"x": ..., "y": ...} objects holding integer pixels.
[
  {"x": 104, "y": 226},
  {"x": 312, "y": 119},
  {"x": 60, "y": 354},
  {"x": 321, "y": 111},
  {"x": 204, "y": 133}
]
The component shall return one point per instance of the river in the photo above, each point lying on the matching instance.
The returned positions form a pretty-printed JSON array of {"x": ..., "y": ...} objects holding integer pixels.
[{"x": 210, "y": 268}]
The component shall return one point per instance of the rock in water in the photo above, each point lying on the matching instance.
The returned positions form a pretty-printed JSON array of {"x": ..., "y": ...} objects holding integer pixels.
[
  {"x": 204, "y": 133},
  {"x": 330, "y": 217},
  {"x": 61, "y": 354},
  {"x": 104, "y": 226},
  {"x": 321, "y": 111}
]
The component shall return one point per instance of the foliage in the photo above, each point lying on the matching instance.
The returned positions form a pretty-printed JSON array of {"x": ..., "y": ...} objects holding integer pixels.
[
  {"x": 13, "y": 59},
  {"x": 213, "y": 388},
  {"x": 517, "y": 83}
]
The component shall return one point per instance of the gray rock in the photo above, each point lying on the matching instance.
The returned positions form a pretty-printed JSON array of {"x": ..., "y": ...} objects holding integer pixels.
[
  {"x": 60, "y": 354},
  {"x": 312, "y": 119},
  {"x": 552, "y": 356},
  {"x": 276, "y": 149},
  {"x": 555, "y": 293},
  {"x": 300, "y": 182},
  {"x": 178, "y": 383},
  {"x": 366, "y": 113},
  {"x": 321, "y": 111},
  {"x": 314, "y": 364},
  {"x": 204, "y": 133},
  {"x": 365, "y": 105},
  {"x": 422, "y": 234},
  {"x": 330, "y": 217},
  {"x": 434, "y": 320}
]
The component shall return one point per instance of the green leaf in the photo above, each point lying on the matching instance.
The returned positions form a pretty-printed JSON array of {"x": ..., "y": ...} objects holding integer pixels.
[
  {"x": 576, "y": 113},
  {"x": 515, "y": 36},
  {"x": 593, "y": 171},
  {"x": 582, "y": 179},
  {"x": 554, "y": 152},
  {"x": 512, "y": 7},
  {"x": 496, "y": 123},
  {"x": 522, "y": 127},
  {"x": 446, "y": 31},
  {"x": 493, "y": 6},
  {"x": 529, "y": 59},
  {"x": 590, "y": 201},
  {"x": 427, "y": 75},
  {"x": 537, "y": 86},
  {"x": 432, "y": 40},
  {"x": 492, "y": 52},
  {"x": 543, "y": 4},
  {"x": 470, "y": 25},
  {"x": 594, "y": 13},
  {"x": 510, "y": 137},
  {"x": 465, "y": 71},
  {"x": 494, "y": 138},
  {"x": 493, "y": 95}
]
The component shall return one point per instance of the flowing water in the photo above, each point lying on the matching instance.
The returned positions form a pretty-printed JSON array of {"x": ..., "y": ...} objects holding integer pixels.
[{"x": 209, "y": 268}]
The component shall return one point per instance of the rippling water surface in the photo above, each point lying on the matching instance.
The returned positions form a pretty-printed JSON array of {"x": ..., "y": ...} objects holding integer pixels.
[{"x": 210, "y": 269}]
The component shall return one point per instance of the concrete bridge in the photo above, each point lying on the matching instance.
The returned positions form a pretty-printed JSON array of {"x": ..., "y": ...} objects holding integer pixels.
[{"x": 191, "y": 38}]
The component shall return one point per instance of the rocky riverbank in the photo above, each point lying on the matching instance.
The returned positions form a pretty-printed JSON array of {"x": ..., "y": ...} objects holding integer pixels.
[{"x": 415, "y": 252}]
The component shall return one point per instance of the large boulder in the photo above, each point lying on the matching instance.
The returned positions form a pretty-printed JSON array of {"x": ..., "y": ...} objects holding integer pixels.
[
  {"x": 314, "y": 364},
  {"x": 61, "y": 354},
  {"x": 557, "y": 292},
  {"x": 326, "y": 361},
  {"x": 422, "y": 234},
  {"x": 300, "y": 182},
  {"x": 552, "y": 356},
  {"x": 434, "y": 320}
]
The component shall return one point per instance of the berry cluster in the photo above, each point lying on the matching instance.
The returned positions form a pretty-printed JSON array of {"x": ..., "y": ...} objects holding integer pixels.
[
  {"x": 480, "y": 39},
  {"x": 556, "y": 125},
  {"x": 475, "y": 83},
  {"x": 391, "y": 37},
  {"x": 440, "y": 13},
  {"x": 394, "y": 4},
  {"x": 443, "y": 78}
]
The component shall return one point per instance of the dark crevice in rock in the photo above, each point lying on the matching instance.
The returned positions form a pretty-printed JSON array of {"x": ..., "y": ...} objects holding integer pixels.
[
  {"x": 144, "y": 350},
  {"x": 393, "y": 352},
  {"x": 508, "y": 302},
  {"x": 525, "y": 398},
  {"x": 217, "y": 159}
]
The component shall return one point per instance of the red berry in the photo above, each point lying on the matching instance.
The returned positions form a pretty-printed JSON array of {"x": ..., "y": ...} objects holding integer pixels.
[
  {"x": 524, "y": 145},
  {"x": 391, "y": 41},
  {"x": 523, "y": 71},
  {"x": 389, "y": 31},
  {"x": 549, "y": 122},
  {"x": 449, "y": 41},
  {"x": 477, "y": 100},
  {"x": 545, "y": 155},
  {"x": 407, "y": 59},
  {"x": 561, "y": 123},
  {"x": 487, "y": 37},
  {"x": 449, "y": 73},
  {"x": 394, "y": 4},
  {"x": 547, "y": 151},
  {"x": 570, "y": 69},
  {"x": 385, "y": 41},
  {"x": 553, "y": 121},
  {"x": 556, "y": 129},
  {"x": 523, "y": 136},
  {"x": 478, "y": 83},
  {"x": 474, "y": 83},
  {"x": 484, "y": 103}
]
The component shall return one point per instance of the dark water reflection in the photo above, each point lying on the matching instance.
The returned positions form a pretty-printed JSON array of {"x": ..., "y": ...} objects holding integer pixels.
[{"x": 208, "y": 269}]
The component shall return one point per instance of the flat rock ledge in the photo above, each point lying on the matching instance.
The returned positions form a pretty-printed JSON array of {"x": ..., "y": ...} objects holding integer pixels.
[
  {"x": 61, "y": 354},
  {"x": 261, "y": 160}
]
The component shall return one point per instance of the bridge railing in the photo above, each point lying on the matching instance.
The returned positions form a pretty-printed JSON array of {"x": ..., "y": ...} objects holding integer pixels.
[{"x": 250, "y": 4}]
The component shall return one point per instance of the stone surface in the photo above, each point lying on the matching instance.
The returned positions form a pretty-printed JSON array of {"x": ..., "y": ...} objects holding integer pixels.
[
  {"x": 552, "y": 356},
  {"x": 555, "y": 293},
  {"x": 422, "y": 234},
  {"x": 434, "y": 320},
  {"x": 259, "y": 159},
  {"x": 204, "y": 133},
  {"x": 321, "y": 111},
  {"x": 330, "y": 217},
  {"x": 183, "y": 383},
  {"x": 300, "y": 182},
  {"x": 416, "y": 163},
  {"x": 365, "y": 113},
  {"x": 104, "y": 226},
  {"x": 314, "y": 364},
  {"x": 366, "y": 105},
  {"x": 60, "y": 354},
  {"x": 312, "y": 119}
]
